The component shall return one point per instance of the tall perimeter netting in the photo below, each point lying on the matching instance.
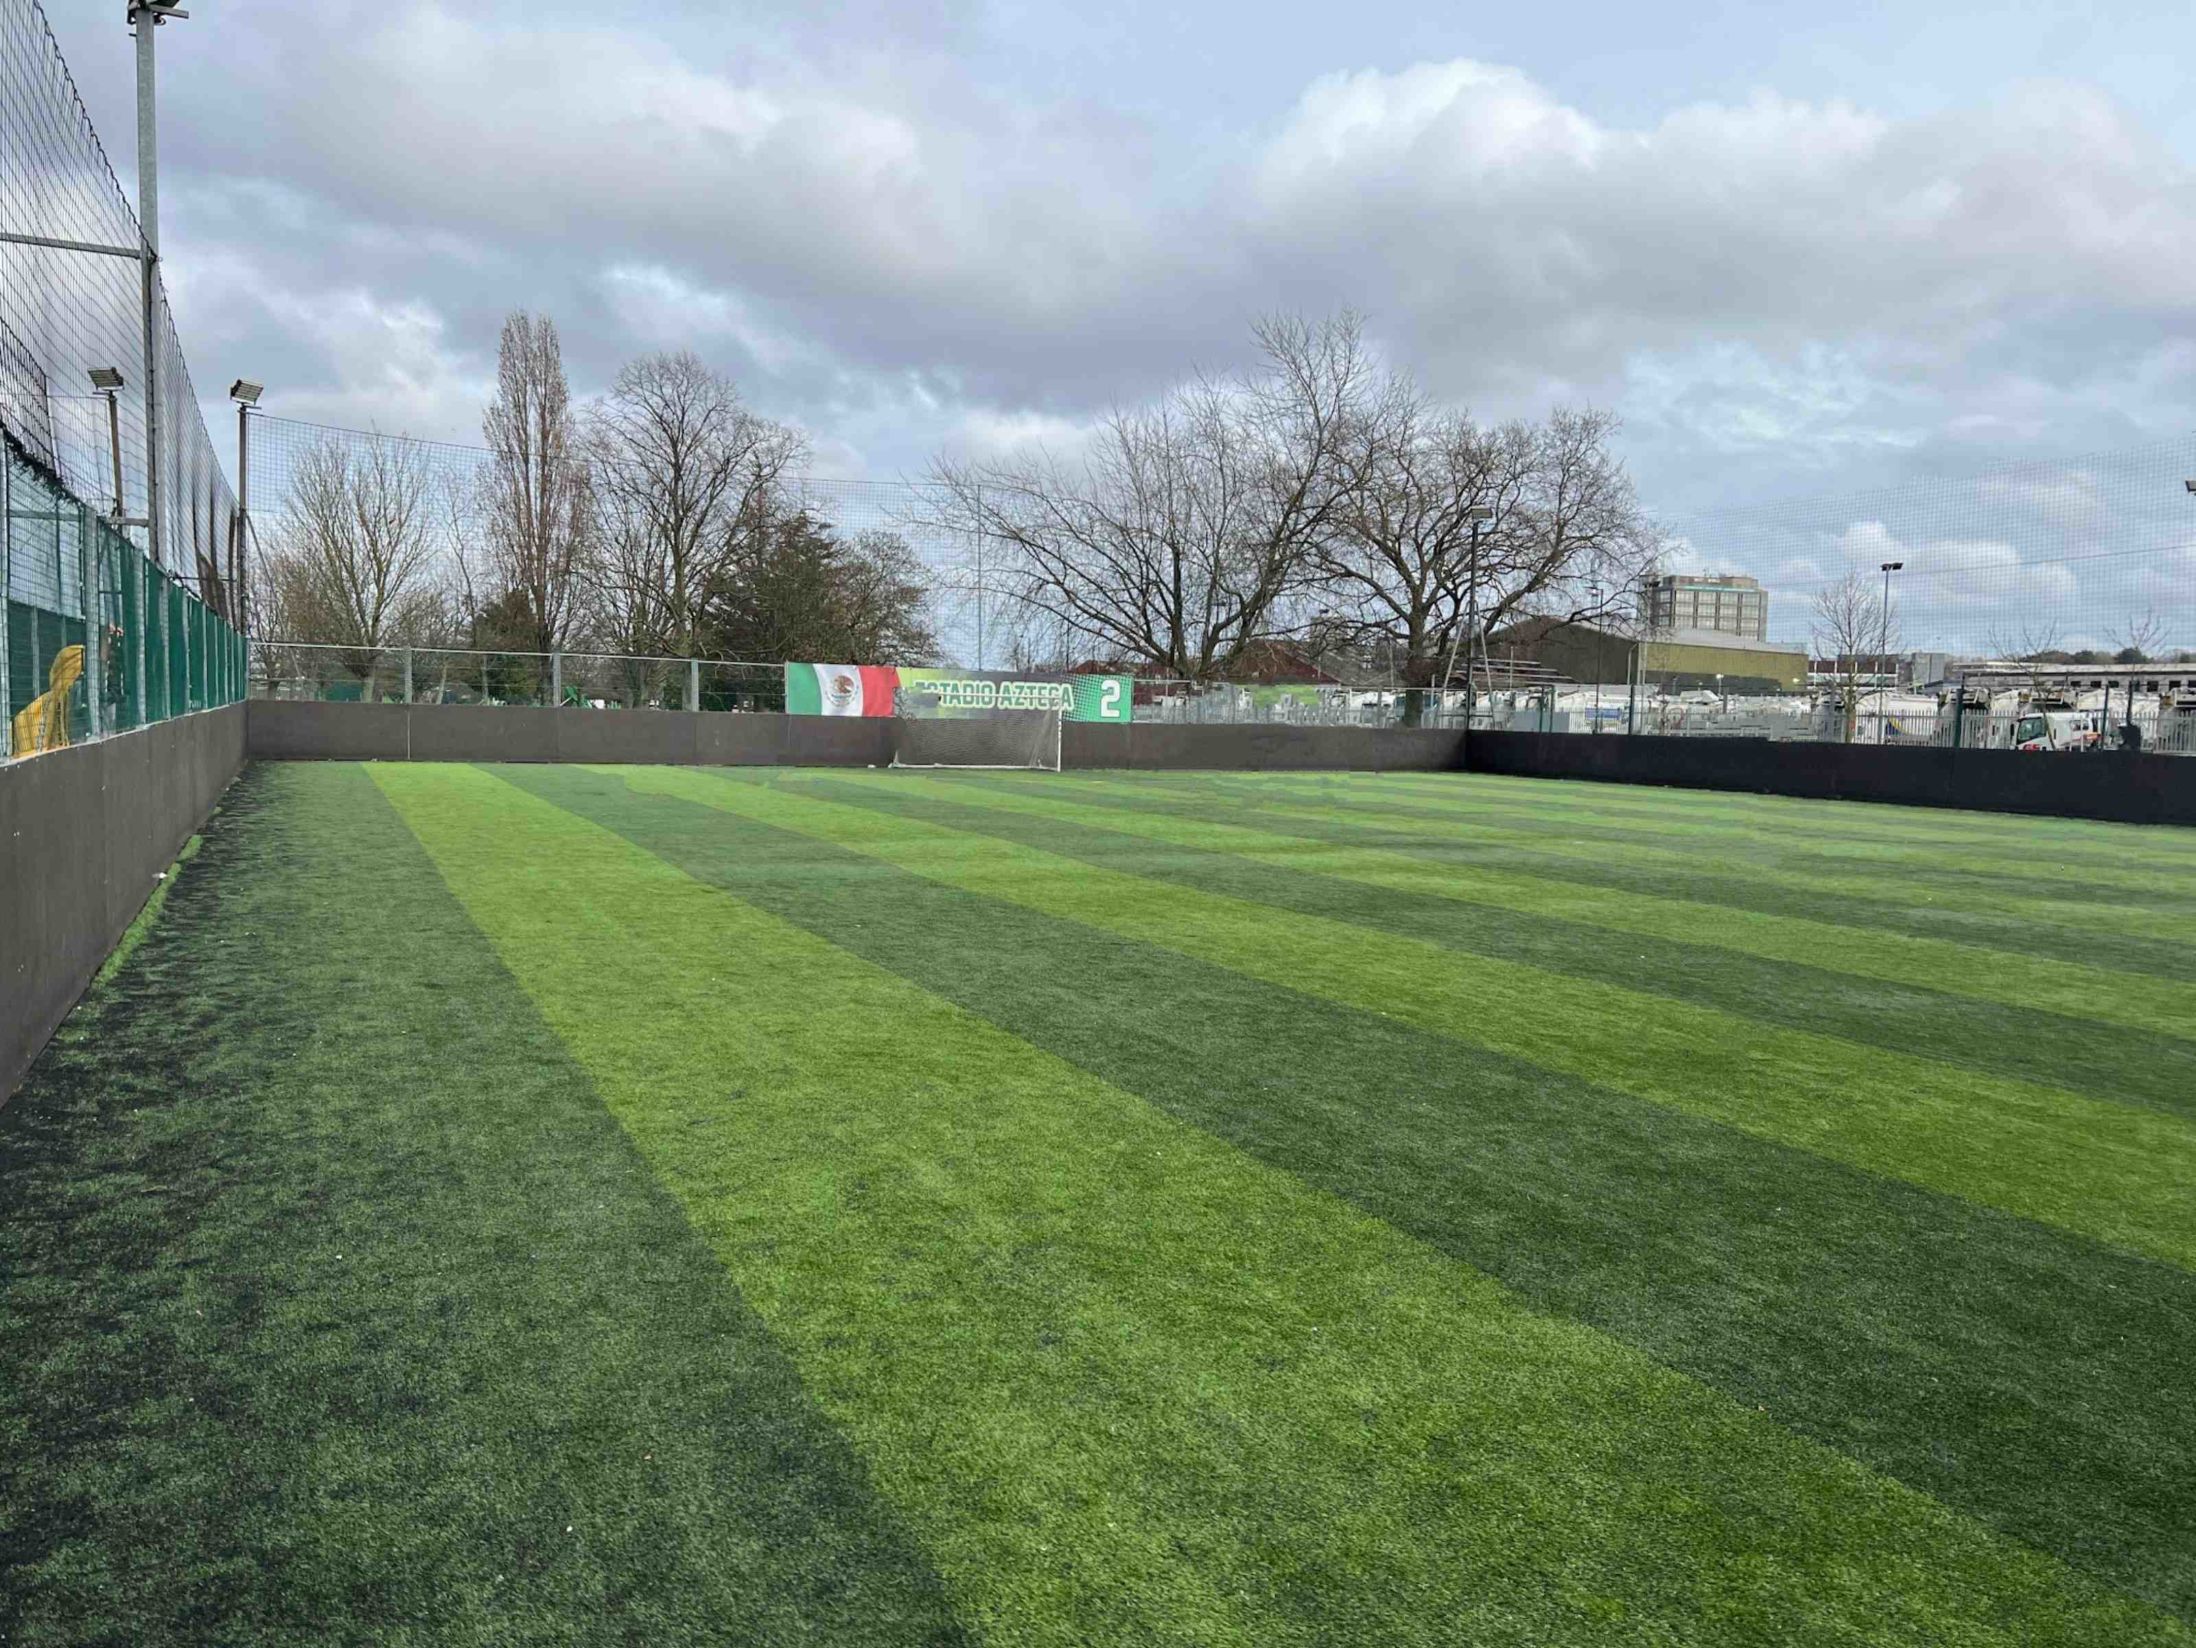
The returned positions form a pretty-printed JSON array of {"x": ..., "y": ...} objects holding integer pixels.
[{"x": 99, "y": 636}]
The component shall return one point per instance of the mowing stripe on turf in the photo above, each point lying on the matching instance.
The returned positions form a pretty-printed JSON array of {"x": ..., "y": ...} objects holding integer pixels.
[
  {"x": 2126, "y": 872},
  {"x": 2026, "y": 1376},
  {"x": 1797, "y": 818},
  {"x": 335, "y": 1308},
  {"x": 2045, "y": 1021},
  {"x": 1450, "y": 836},
  {"x": 2120, "y": 868},
  {"x": 2054, "y": 893},
  {"x": 1132, "y": 1383},
  {"x": 1685, "y": 961},
  {"x": 2121, "y": 1174}
]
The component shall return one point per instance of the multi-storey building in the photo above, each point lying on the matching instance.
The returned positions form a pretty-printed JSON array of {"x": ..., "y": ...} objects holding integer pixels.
[{"x": 1722, "y": 602}]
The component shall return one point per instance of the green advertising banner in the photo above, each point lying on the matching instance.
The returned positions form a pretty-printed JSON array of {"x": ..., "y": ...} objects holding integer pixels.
[
  {"x": 952, "y": 694},
  {"x": 948, "y": 694}
]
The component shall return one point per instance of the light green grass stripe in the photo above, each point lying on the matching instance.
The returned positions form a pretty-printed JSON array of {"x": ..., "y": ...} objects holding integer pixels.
[
  {"x": 2113, "y": 1172},
  {"x": 1462, "y": 820},
  {"x": 2018, "y": 980},
  {"x": 1808, "y": 824},
  {"x": 1131, "y": 1385}
]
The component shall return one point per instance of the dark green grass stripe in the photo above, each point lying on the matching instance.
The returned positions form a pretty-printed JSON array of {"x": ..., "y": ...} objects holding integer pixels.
[
  {"x": 2111, "y": 872},
  {"x": 1375, "y": 824},
  {"x": 2082, "y": 1055},
  {"x": 2019, "y": 1373},
  {"x": 334, "y": 1308}
]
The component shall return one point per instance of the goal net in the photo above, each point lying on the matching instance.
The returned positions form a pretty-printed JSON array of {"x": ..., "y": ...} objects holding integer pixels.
[{"x": 1005, "y": 738}]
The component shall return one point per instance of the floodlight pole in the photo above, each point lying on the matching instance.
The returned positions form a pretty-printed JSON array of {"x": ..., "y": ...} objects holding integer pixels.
[
  {"x": 1479, "y": 516},
  {"x": 114, "y": 447},
  {"x": 146, "y": 18},
  {"x": 239, "y": 599},
  {"x": 1883, "y": 656}
]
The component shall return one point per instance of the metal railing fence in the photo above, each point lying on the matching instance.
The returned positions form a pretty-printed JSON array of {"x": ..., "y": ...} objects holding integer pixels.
[
  {"x": 577, "y": 679},
  {"x": 97, "y": 640}
]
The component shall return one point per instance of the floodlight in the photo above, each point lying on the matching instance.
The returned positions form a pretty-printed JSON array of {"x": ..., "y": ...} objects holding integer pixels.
[
  {"x": 1480, "y": 512},
  {"x": 106, "y": 379},
  {"x": 246, "y": 392},
  {"x": 1900, "y": 566},
  {"x": 2191, "y": 485}
]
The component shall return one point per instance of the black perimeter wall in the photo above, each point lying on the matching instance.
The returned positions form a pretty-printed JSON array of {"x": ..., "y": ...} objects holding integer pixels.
[
  {"x": 84, "y": 835},
  {"x": 2127, "y": 789}
]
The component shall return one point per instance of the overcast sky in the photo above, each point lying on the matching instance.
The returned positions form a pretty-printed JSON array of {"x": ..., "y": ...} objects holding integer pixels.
[{"x": 1800, "y": 248}]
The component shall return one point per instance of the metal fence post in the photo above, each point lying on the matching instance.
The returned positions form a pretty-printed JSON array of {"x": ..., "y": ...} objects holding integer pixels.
[
  {"x": 167, "y": 643},
  {"x": 95, "y": 643},
  {"x": 556, "y": 680},
  {"x": 7, "y": 592},
  {"x": 693, "y": 684},
  {"x": 407, "y": 675},
  {"x": 137, "y": 642}
]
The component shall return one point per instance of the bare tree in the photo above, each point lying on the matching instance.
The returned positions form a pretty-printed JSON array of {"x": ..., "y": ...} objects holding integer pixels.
[
  {"x": 2036, "y": 651},
  {"x": 1852, "y": 624},
  {"x": 353, "y": 565},
  {"x": 1174, "y": 540},
  {"x": 683, "y": 474},
  {"x": 1446, "y": 524},
  {"x": 2139, "y": 638},
  {"x": 540, "y": 510}
]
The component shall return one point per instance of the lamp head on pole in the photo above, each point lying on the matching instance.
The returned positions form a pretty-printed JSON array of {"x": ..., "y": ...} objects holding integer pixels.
[
  {"x": 106, "y": 379},
  {"x": 245, "y": 392}
]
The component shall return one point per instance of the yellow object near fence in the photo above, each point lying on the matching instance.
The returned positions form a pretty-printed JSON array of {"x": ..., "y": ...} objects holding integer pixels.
[{"x": 43, "y": 723}]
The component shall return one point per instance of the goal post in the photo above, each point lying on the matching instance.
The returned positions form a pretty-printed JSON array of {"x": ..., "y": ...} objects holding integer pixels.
[{"x": 1021, "y": 740}]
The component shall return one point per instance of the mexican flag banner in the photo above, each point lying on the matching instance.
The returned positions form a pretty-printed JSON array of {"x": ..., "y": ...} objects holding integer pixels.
[{"x": 840, "y": 689}]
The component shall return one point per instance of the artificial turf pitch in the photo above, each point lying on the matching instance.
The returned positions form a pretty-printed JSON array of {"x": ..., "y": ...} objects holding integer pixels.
[{"x": 562, "y": 1205}]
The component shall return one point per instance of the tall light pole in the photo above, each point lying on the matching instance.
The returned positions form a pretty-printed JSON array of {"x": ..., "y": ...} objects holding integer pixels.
[
  {"x": 246, "y": 395},
  {"x": 1600, "y": 658},
  {"x": 1883, "y": 656},
  {"x": 147, "y": 17},
  {"x": 107, "y": 383},
  {"x": 1479, "y": 515}
]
